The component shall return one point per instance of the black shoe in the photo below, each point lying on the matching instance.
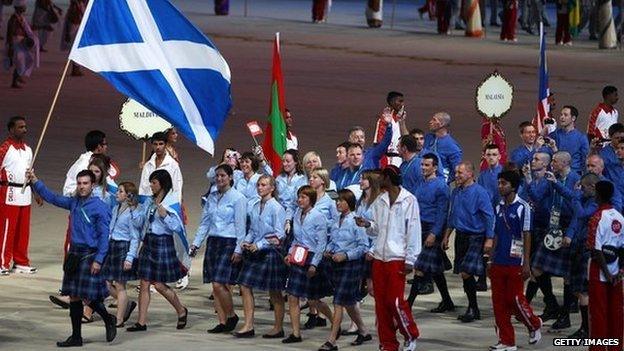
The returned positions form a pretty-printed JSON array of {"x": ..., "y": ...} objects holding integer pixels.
[
  {"x": 482, "y": 284},
  {"x": 549, "y": 313},
  {"x": 494, "y": 24},
  {"x": 220, "y": 328},
  {"x": 111, "y": 328},
  {"x": 182, "y": 320},
  {"x": 347, "y": 333},
  {"x": 444, "y": 307},
  {"x": 131, "y": 306},
  {"x": 230, "y": 324},
  {"x": 426, "y": 289},
  {"x": 328, "y": 346},
  {"x": 563, "y": 322},
  {"x": 62, "y": 304},
  {"x": 280, "y": 334},
  {"x": 245, "y": 335},
  {"x": 311, "y": 322},
  {"x": 361, "y": 339},
  {"x": 321, "y": 322},
  {"x": 291, "y": 339},
  {"x": 137, "y": 327},
  {"x": 579, "y": 334},
  {"x": 70, "y": 342},
  {"x": 471, "y": 315},
  {"x": 574, "y": 307}
]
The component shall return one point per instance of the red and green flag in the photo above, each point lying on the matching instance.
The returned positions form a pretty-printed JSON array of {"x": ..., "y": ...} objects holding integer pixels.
[{"x": 274, "y": 143}]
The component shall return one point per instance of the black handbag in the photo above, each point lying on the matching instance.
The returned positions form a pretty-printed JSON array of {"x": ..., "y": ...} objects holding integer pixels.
[{"x": 72, "y": 261}]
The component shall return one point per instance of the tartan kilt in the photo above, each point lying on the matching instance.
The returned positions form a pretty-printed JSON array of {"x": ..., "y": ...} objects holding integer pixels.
[
  {"x": 112, "y": 270},
  {"x": 430, "y": 259},
  {"x": 577, "y": 275},
  {"x": 469, "y": 253},
  {"x": 82, "y": 283},
  {"x": 299, "y": 285},
  {"x": 556, "y": 263},
  {"x": 346, "y": 278},
  {"x": 266, "y": 273},
  {"x": 158, "y": 261},
  {"x": 218, "y": 267}
]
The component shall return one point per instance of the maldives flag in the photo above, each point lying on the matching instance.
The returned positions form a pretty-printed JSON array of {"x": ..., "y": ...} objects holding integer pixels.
[{"x": 274, "y": 143}]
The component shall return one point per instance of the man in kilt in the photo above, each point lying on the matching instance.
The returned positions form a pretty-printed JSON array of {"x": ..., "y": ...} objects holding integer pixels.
[
  {"x": 90, "y": 219},
  {"x": 472, "y": 217},
  {"x": 575, "y": 237},
  {"x": 553, "y": 258},
  {"x": 433, "y": 199}
]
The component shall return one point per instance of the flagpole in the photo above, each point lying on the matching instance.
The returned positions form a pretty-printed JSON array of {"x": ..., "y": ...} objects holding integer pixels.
[
  {"x": 45, "y": 125},
  {"x": 392, "y": 15}
]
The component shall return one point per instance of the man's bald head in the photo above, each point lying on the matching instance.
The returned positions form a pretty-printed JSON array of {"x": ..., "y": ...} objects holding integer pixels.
[{"x": 595, "y": 164}]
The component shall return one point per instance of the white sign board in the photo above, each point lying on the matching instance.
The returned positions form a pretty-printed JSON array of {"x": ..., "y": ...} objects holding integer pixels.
[
  {"x": 139, "y": 122},
  {"x": 494, "y": 96}
]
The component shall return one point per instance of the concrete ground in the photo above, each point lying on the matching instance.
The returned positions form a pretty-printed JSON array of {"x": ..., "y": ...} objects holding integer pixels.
[{"x": 337, "y": 75}]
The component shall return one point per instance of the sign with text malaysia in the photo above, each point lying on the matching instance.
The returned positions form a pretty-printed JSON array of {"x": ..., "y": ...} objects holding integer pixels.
[{"x": 494, "y": 96}]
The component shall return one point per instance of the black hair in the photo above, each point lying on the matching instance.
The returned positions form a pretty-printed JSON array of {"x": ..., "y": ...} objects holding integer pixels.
[
  {"x": 13, "y": 121},
  {"x": 604, "y": 191},
  {"x": 86, "y": 173},
  {"x": 159, "y": 136},
  {"x": 616, "y": 128},
  {"x": 431, "y": 156},
  {"x": 573, "y": 110},
  {"x": 417, "y": 131},
  {"x": 512, "y": 177},
  {"x": 255, "y": 163},
  {"x": 393, "y": 95},
  {"x": 93, "y": 139},
  {"x": 524, "y": 124},
  {"x": 228, "y": 170},
  {"x": 608, "y": 90},
  {"x": 294, "y": 153},
  {"x": 410, "y": 142},
  {"x": 491, "y": 147},
  {"x": 164, "y": 179},
  {"x": 347, "y": 196},
  {"x": 394, "y": 173},
  {"x": 345, "y": 145}
]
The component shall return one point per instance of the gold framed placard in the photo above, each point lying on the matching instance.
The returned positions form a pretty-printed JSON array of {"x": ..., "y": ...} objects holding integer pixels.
[
  {"x": 139, "y": 122},
  {"x": 494, "y": 96}
]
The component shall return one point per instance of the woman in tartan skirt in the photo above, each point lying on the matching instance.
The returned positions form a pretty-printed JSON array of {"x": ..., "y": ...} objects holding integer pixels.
[
  {"x": 347, "y": 245},
  {"x": 224, "y": 223},
  {"x": 305, "y": 254},
  {"x": 123, "y": 245},
  {"x": 263, "y": 266},
  {"x": 158, "y": 262}
]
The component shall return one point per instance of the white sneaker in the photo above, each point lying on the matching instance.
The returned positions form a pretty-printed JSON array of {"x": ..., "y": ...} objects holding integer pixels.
[
  {"x": 182, "y": 283},
  {"x": 4, "y": 271},
  {"x": 25, "y": 269},
  {"x": 502, "y": 347},
  {"x": 536, "y": 335},
  {"x": 409, "y": 345}
]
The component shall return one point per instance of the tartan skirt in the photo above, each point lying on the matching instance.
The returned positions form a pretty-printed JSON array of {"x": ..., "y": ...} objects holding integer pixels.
[
  {"x": 556, "y": 262},
  {"x": 430, "y": 259},
  {"x": 346, "y": 278},
  {"x": 317, "y": 287},
  {"x": 112, "y": 270},
  {"x": 577, "y": 275},
  {"x": 264, "y": 271},
  {"x": 82, "y": 283},
  {"x": 158, "y": 262},
  {"x": 218, "y": 267},
  {"x": 469, "y": 253}
]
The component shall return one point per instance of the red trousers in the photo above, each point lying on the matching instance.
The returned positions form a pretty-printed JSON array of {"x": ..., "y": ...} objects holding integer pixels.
[
  {"x": 14, "y": 235},
  {"x": 563, "y": 28},
  {"x": 510, "y": 17},
  {"x": 318, "y": 9},
  {"x": 606, "y": 317},
  {"x": 443, "y": 14},
  {"x": 392, "y": 311},
  {"x": 508, "y": 299}
]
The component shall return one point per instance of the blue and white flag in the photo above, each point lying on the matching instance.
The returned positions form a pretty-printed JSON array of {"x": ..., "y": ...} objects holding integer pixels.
[{"x": 151, "y": 53}]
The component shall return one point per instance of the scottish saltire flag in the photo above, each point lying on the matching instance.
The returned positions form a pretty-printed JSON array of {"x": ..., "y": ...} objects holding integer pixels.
[
  {"x": 150, "y": 52},
  {"x": 543, "y": 108},
  {"x": 173, "y": 207}
]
